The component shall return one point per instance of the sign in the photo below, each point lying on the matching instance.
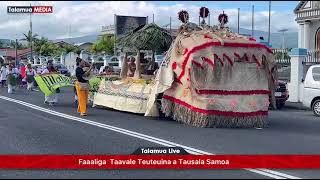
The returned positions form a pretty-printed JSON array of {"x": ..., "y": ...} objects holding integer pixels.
[
  {"x": 29, "y": 9},
  {"x": 125, "y": 24},
  {"x": 48, "y": 83}
]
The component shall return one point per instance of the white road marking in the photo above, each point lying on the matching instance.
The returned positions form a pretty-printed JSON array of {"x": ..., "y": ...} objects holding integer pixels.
[{"x": 265, "y": 172}]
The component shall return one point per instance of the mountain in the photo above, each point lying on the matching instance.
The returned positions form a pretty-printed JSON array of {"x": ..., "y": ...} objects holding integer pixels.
[
  {"x": 291, "y": 38},
  {"x": 276, "y": 39},
  {"x": 75, "y": 40}
]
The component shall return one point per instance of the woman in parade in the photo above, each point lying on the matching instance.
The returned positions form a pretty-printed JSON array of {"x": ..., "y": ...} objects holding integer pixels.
[
  {"x": 22, "y": 76},
  {"x": 82, "y": 86},
  {"x": 53, "y": 98},
  {"x": 30, "y": 73},
  {"x": 11, "y": 78}
]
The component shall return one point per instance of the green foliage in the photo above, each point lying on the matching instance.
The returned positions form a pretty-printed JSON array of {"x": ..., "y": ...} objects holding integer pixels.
[
  {"x": 19, "y": 45},
  {"x": 67, "y": 48},
  {"x": 28, "y": 37},
  {"x": 150, "y": 37},
  {"x": 104, "y": 44},
  {"x": 45, "y": 47}
]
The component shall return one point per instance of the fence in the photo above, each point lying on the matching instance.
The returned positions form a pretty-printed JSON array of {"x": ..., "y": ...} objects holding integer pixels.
[{"x": 313, "y": 57}]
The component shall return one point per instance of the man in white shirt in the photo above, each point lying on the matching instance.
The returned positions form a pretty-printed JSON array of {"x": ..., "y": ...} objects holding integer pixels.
[{"x": 3, "y": 75}]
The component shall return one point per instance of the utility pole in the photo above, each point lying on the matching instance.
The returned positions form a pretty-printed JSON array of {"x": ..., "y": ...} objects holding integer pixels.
[
  {"x": 252, "y": 33},
  {"x": 16, "y": 47},
  {"x": 152, "y": 18},
  {"x": 31, "y": 38},
  {"x": 238, "y": 20},
  {"x": 170, "y": 24},
  {"x": 269, "y": 22}
]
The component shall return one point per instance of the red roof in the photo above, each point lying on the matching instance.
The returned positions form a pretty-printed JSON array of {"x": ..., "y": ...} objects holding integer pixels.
[{"x": 12, "y": 52}]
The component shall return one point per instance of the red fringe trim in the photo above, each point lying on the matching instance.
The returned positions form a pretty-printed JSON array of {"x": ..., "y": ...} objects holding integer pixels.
[
  {"x": 207, "y": 37},
  {"x": 228, "y": 58},
  {"x": 246, "y": 57},
  {"x": 215, "y": 112},
  {"x": 226, "y": 92},
  {"x": 217, "y": 57},
  {"x": 185, "y": 51},
  {"x": 209, "y": 61},
  {"x": 197, "y": 64},
  {"x": 226, "y": 44},
  {"x": 256, "y": 60},
  {"x": 237, "y": 55}
]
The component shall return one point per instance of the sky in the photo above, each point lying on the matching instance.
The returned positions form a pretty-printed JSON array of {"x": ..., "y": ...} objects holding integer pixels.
[{"x": 80, "y": 18}]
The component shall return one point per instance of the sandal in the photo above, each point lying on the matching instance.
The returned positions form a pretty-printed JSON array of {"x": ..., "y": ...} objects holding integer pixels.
[{"x": 83, "y": 114}]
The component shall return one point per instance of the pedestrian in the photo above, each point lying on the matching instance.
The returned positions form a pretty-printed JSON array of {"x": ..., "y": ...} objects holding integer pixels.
[
  {"x": 29, "y": 74},
  {"x": 16, "y": 76},
  {"x": 3, "y": 75},
  {"x": 22, "y": 76},
  {"x": 53, "y": 98},
  {"x": 82, "y": 86},
  {"x": 11, "y": 78},
  {"x": 132, "y": 66}
]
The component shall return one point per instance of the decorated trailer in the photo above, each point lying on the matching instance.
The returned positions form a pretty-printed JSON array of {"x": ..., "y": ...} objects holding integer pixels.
[{"x": 211, "y": 77}]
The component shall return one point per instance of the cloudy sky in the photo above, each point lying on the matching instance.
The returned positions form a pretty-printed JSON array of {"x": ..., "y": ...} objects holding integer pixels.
[{"x": 79, "y": 18}]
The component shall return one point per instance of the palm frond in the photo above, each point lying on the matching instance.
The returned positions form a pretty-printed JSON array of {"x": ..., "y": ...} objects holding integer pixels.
[{"x": 150, "y": 37}]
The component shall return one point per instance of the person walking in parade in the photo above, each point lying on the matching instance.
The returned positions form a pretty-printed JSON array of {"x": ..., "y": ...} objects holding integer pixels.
[
  {"x": 3, "y": 75},
  {"x": 82, "y": 86},
  {"x": 30, "y": 73},
  {"x": 53, "y": 98},
  {"x": 11, "y": 76}
]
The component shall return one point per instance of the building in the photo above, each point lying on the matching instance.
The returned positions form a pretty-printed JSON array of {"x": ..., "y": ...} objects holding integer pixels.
[
  {"x": 9, "y": 54},
  {"x": 86, "y": 46},
  {"x": 308, "y": 18},
  {"x": 108, "y": 30}
]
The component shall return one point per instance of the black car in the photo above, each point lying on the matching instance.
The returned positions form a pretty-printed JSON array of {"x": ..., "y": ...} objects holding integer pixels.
[{"x": 281, "y": 94}]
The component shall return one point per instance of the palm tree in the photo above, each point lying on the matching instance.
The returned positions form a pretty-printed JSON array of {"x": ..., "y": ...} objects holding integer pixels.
[
  {"x": 19, "y": 45},
  {"x": 29, "y": 37}
]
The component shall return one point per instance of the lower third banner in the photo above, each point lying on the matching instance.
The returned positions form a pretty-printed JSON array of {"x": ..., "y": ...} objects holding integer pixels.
[
  {"x": 48, "y": 83},
  {"x": 158, "y": 161}
]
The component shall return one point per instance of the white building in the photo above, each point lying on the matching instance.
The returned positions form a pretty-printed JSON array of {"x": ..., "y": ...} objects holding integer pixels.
[
  {"x": 308, "y": 18},
  {"x": 86, "y": 46}
]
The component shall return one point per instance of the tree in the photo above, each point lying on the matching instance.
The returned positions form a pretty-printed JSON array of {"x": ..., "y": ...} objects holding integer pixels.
[
  {"x": 19, "y": 45},
  {"x": 29, "y": 37},
  {"x": 67, "y": 48},
  {"x": 104, "y": 44}
]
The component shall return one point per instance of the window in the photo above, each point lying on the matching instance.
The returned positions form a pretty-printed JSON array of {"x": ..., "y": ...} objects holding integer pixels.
[{"x": 316, "y": 73}]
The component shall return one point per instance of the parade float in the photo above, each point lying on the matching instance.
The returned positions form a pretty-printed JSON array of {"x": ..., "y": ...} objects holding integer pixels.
[
  {"x": 131, "y": 94},
  {"x": 210, "y": 77}
]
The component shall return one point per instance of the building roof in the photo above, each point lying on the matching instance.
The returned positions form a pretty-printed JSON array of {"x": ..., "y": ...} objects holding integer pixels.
[
  {"x": 10, "y": 52},
  {"x": 300, "y": 5},
  {"x": 82, "y": 43}
]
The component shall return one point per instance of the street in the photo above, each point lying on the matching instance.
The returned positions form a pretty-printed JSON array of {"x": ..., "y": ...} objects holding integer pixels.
[{"x": 27, "y": 126}]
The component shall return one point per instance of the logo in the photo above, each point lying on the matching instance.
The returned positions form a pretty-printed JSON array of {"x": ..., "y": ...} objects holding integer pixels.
[{"x": 30, "y": 9}]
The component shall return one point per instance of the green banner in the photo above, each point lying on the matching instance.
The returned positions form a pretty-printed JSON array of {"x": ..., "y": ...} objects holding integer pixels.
[{"x": 48, "y": 83}]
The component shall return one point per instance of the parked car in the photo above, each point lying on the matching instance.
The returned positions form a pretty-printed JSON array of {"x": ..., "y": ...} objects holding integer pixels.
[
  {"x": 281, "y": 94},
  {"x": 62, "y": 69},
  {"x": 311, "y": 89}
]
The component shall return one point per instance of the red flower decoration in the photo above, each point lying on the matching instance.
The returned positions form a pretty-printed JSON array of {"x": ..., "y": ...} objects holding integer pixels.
[{"x": 174, "y": 65}]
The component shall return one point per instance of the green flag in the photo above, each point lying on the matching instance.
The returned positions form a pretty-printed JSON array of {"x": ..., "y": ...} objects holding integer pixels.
[{"x": 48, "y": 83}]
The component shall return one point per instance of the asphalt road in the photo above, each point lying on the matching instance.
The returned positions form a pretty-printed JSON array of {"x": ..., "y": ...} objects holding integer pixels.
[{"x": 32, "y": 130}]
